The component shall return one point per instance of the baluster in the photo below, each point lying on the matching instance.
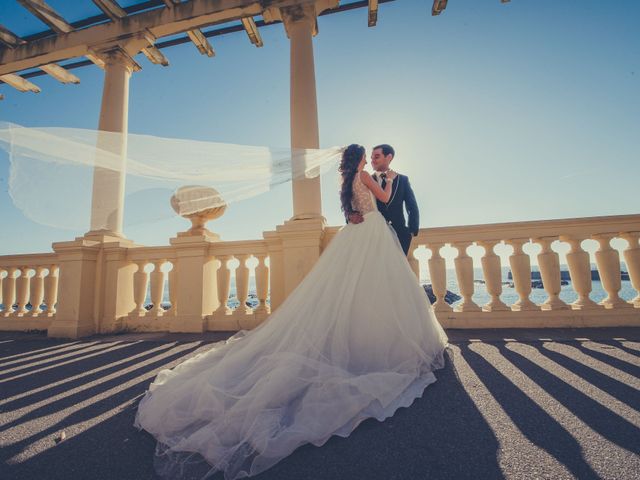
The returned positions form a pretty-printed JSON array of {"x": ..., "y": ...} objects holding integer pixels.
[
  {"x": 51, "y": 290},
  {"x": 37, "y": 296},
  {"x": 262, "y": 283},
  {"x": 242, "y": 285},
  {"x": 224, "y": 285},
  {"x": 2, "y": 270},
  {"x": 22, "y": 295},
  {"x": 173, "y": 289},
  {"x": 521, "y": 272},
  {"x": 492, "y": 272},
  {"x": 608, "y": 262},
  {"x": 632, "y": 259},
  {"x": 438, "y": 274},
  {"x": 549, "y": 263},
  {"x": 580, "y": 273},
  {"x": 9, "y": 292},
  {"x": 464, "y": 273},
  {"x": 157, "y": 287},
  {"x": 413, "y": 261},
  {"x": 140, "y": 285}
]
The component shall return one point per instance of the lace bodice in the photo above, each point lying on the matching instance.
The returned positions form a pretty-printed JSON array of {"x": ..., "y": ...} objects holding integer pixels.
[{"x": 363, "y": 200}]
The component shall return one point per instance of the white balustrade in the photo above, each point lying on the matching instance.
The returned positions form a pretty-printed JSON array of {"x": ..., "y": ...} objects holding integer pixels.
[{"x": 200, "y": 278}]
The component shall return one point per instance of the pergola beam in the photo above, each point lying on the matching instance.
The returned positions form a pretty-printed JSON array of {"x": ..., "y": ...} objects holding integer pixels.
[
  {"x": 159, "y": 22},
  {"x": 47, "y": 14},
  {"x": 252, "y": 31},
  {"x": 9, "y": 38},
  {"x": 111, "y": 9},
  {"x": 19, "y": 83},
  {"x": 373, "y": 13}
]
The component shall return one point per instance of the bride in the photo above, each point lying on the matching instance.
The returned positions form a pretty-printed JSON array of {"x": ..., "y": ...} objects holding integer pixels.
[{"x": 356, "y": 339}]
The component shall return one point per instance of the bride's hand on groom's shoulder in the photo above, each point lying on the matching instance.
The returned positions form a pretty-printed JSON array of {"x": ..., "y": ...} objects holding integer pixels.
[{"x": 391, "y": 175}]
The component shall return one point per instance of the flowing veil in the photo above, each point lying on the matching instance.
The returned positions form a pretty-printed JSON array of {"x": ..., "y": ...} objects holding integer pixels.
[{"x": 52, "y": 168}]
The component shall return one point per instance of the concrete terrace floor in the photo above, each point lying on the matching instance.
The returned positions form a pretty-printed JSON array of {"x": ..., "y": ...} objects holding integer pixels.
[{"x": 509, "y": 404}]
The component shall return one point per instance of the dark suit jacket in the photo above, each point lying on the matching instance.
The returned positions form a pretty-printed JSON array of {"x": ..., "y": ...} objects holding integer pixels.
[{"x": 393, "y": 211}]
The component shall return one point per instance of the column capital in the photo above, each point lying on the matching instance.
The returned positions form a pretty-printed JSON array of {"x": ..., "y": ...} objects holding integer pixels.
[
  {"x": 299, "y": 15},
  {"x": 118, "y": 56}
]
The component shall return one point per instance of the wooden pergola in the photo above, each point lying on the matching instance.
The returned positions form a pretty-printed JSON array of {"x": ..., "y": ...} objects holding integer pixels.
[
  {"x": 146, "y": 22},
  {"x": 142, "y": 24}
]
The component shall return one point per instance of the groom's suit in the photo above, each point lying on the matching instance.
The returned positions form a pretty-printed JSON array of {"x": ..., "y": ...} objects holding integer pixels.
[{"x": 393, "y": 211}]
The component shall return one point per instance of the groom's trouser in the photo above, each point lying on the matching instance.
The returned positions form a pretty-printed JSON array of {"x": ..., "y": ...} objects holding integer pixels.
[{"x": 404, "y": 236}]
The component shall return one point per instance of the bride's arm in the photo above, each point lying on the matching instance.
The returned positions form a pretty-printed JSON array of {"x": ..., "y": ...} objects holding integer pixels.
[{"x": 378, "y": 192}]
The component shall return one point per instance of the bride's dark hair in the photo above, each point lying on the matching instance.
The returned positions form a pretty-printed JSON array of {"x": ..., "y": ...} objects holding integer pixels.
[{"x": 351, "y": 158}]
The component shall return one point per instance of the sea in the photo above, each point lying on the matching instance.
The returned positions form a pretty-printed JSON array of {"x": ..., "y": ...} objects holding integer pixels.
[{"x": 509, "y": 295}]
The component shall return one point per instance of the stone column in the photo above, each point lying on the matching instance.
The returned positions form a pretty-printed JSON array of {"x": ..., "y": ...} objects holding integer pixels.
[
  {"x": 299, "y": 22},
  {"x": 107, "y": 203}
]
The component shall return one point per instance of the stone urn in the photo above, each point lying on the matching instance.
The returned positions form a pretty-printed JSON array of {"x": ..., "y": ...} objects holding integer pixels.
[{"x": 199, "y": 204}]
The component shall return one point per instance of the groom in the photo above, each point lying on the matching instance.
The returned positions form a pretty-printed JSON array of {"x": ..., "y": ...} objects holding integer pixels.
[{"x": 401, "y": 193}]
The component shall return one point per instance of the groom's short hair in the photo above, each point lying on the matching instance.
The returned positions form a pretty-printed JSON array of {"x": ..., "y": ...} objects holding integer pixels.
[{"x": 386, "y": 150}]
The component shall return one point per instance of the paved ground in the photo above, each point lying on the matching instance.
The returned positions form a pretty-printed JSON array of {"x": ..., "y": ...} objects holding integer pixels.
[{"x": 509, "y": 404}]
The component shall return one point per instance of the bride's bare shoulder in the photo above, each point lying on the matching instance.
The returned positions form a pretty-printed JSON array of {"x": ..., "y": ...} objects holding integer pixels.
[{"x": 365, "y": 176}]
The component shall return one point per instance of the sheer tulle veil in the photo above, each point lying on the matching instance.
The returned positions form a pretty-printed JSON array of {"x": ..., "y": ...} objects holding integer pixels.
[{"x": 52, "y": 168}]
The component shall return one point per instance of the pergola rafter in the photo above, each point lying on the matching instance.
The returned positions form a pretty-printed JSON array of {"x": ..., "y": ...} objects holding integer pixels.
[
  {"x": 47, "y": 14},
  {"x": 19, "y": 83},
  {"x": 373, "y": 13},
  {"x": 250, "y": 27},
  {"x": 12, "y": 40}
]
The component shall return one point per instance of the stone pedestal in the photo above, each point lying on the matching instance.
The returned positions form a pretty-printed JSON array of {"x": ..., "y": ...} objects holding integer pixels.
[
  {"x": 77, "y": 261},
  {"x": 197, "y": 295}
]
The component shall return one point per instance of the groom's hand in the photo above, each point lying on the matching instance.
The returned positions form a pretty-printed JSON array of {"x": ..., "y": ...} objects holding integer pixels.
[
  {"x": 356, "y": 217},
  {"x": 415, "y": 234}
]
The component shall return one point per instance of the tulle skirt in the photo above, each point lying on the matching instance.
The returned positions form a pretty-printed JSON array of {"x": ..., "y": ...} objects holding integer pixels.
[{"x": 356, "y": 339}]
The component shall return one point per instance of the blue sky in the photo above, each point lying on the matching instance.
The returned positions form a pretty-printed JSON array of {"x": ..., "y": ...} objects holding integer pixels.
[{"x": 523, "y": 111}]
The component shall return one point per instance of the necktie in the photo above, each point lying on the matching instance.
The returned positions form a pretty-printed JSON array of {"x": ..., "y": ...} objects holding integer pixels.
[{"x": 384, "y": 181}]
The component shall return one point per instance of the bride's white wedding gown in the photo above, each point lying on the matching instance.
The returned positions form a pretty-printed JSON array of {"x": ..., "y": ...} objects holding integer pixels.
[{"x": 356, "y": 339}]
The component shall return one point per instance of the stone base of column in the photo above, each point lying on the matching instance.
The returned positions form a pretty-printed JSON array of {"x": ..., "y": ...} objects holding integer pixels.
[
  {"x": 77, "y": 261},
  {"x": 103, "y": 236},
  {"x": 69, "y": 329},
  {"x": 197, "y": 295},
  {"x": 188, "y": 324},
  {"x": 301, "y": 248}
]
